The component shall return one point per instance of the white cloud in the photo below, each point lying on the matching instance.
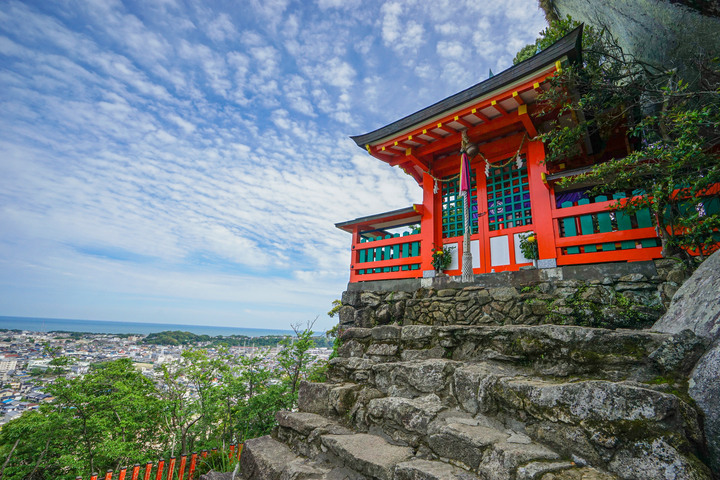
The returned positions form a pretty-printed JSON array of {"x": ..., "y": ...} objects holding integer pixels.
[
  {"x": 339, "y": 4},
  {"x": 338, "y": 73},
  {"x": 221, "y": 28},
  {"x": 451, "y": 49},
  {"x": 183, "y": 154}
]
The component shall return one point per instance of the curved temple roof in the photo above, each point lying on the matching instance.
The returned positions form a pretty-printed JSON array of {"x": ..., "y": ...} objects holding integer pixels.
[{"x": 569, "y": 46}]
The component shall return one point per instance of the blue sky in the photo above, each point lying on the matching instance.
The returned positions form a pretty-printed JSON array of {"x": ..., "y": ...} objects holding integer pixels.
[{"x": 183, "y": 161}]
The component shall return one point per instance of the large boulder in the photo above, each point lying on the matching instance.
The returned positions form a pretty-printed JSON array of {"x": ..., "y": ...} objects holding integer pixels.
[
  {"x": 696, "y": 307},
  {"x": 704, "y": 388}
]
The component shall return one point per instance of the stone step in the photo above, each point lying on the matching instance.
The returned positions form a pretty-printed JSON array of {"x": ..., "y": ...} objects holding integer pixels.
[
  {"x": 558, "y": 350},
  {"x": 559, "y": 471},
  {"x": 301, "y": 431},
  {"x": 264, "y": 458},
  {"x": 403, "y": 419},
  {"x": 466, "y": 440},
  {"x": 418, "y": 469},
  {"x": 596, "y": 421},
  {"x": 327, "y": 399},
  {"x": 620, "y": 426},
  {"x": 414, "y": 378},
  {"x": 477, "y": 444},
  {"x": 504, "y": 459},
  {"x": 370, "y": 455}
]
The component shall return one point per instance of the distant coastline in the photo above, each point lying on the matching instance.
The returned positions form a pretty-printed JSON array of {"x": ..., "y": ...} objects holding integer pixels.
[{"x": 39, "y": 324}]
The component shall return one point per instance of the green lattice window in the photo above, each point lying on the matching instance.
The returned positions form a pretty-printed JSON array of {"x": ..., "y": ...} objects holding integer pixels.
[
  {"x": 508, "y": 197},
  {"x": 452, "y": 208}
]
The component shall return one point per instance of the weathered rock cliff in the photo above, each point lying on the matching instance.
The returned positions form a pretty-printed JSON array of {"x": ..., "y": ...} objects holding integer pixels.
[
  {"x": 416, "y": 397},
  {"x": 667, "y": 33},
  {"x": 696, "y": 307}
]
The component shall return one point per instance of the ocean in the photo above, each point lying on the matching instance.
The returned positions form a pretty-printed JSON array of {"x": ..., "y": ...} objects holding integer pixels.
[{"x": 99, "y": 326}]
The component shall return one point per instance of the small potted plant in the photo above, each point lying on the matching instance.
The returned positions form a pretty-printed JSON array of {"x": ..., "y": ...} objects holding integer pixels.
[
  {"x": 441, "y": 258},
  {"x": 529, "y": 247}
]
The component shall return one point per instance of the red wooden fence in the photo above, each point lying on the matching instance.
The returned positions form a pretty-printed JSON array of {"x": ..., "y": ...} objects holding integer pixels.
[{"x": 170, "y": 473}]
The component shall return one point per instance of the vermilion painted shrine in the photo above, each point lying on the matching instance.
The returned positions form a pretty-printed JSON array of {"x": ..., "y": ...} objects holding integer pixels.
[{"x": 513, "y": 191}]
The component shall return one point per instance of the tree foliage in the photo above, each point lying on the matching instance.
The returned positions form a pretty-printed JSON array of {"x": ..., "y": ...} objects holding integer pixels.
[
  {"x": 672, "y": 124},
  {"x": 115, "y": 416}
]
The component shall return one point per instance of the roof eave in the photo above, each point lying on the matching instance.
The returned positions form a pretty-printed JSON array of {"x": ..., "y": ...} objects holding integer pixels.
[{"x": 569, "y": 47}]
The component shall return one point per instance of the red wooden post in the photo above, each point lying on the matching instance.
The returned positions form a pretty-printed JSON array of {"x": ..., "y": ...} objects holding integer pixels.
[
  {"x": 232, "y": 452},
  {"x": 193, "y": 462},
  {"x": 161, "y": 467},
  {"x": 108, "y": 475},
  {"x": 148, "y": 469},
  {"x": 541, "y": 201},
  {"x": 240, "y": 447},
  {"x": 183, "y": 460},
  {"x": 171, "y": 468},
  {"x": 214, "y": 450},
  {"x": 93, "y": 476},
  {"x": 428, "y": 223},
  {"x": 135, "y": 471},
  {"x": 355, "y": 254},
  {"x": 123, "y": 472},
  {"x": 204, "y": 453},
  {"x": 78, "y": 478}
]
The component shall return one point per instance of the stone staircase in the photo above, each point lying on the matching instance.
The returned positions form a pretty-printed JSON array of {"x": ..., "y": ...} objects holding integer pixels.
[{"x": 513, "y": 402}]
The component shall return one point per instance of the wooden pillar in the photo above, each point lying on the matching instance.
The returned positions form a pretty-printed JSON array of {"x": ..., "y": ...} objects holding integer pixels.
[
  {"x": 430, "y": 224},
  {"x": 541, "y": 198},
  {"x": 354, "y": 253}
]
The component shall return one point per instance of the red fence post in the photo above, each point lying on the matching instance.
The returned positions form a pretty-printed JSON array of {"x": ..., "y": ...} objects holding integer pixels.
[
  {"x": 171, "y": 468},
  {"x": 108, "y": 475},
  {"x": 123, "y": 472},
  {"x": 240, "y": 447},
  {"x": 183, "y": 461},
  {"x": 148, "y": 469},
  {"x": 161, "y": 467},
  {"x": 232, "y": 452},
  {"x": 93, "y": 476},
  {"x": 204, "y": 453},
  {"x": 193, "y": 462},
  {"x": 136, "y": 471}
]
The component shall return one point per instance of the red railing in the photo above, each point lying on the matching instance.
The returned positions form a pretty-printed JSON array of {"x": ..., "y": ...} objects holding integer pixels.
[
  {"x": 145, "y": 472},
  {"x": 582, "y": 231},
  {"x": 588, "y": 231},
  {"x": 391, "y": 256}
]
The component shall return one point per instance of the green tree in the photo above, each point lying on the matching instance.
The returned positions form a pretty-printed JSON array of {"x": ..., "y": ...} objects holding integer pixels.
[
  {"x": 256, "y": 394},
  {"x": 103, "y": 420},
  {"x": 672, "y": 124},
  {"x": 295, "y": 359},
  {"x": 30, "y": 446}
]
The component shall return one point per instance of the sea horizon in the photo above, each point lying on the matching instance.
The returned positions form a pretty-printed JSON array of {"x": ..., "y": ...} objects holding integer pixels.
[{"x": 46, "y": 324}]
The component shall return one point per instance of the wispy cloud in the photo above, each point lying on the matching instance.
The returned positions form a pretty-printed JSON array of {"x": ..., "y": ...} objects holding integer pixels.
[{"x": 172, "y": 161}]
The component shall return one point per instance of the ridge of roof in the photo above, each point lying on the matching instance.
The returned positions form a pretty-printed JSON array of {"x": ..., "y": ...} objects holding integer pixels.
[{"x": 569, "y": 45}]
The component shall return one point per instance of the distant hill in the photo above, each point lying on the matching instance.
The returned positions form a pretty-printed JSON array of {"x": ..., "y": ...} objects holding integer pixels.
[{"x": 177, "y": 337}]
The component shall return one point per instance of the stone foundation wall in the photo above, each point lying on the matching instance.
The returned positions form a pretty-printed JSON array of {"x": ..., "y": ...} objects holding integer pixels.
[{"x": 613, "y": 295}]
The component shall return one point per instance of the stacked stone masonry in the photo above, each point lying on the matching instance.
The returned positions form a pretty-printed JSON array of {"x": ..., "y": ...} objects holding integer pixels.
[
  {"x": 611, "y": 295},
  {"x": 431, "y": 385}
]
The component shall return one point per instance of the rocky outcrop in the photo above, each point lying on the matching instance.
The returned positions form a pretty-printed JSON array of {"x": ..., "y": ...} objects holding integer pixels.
[
  {"x": 500, "y": 402},
  {"x": 669, "y": 34},
  {"x": 696, "y": 307},
  {"x": 450, "y": 399}
]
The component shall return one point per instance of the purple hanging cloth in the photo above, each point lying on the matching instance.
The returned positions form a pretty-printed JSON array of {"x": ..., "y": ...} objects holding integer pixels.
[{"x": 465, "y": 173}]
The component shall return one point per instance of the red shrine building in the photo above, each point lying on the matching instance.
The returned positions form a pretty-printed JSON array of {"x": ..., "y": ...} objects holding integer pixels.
[{"x": 513, "y": 192}]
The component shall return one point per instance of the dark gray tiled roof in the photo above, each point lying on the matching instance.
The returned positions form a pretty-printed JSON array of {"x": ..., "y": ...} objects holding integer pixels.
[{"x": 568, "y": 46}]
